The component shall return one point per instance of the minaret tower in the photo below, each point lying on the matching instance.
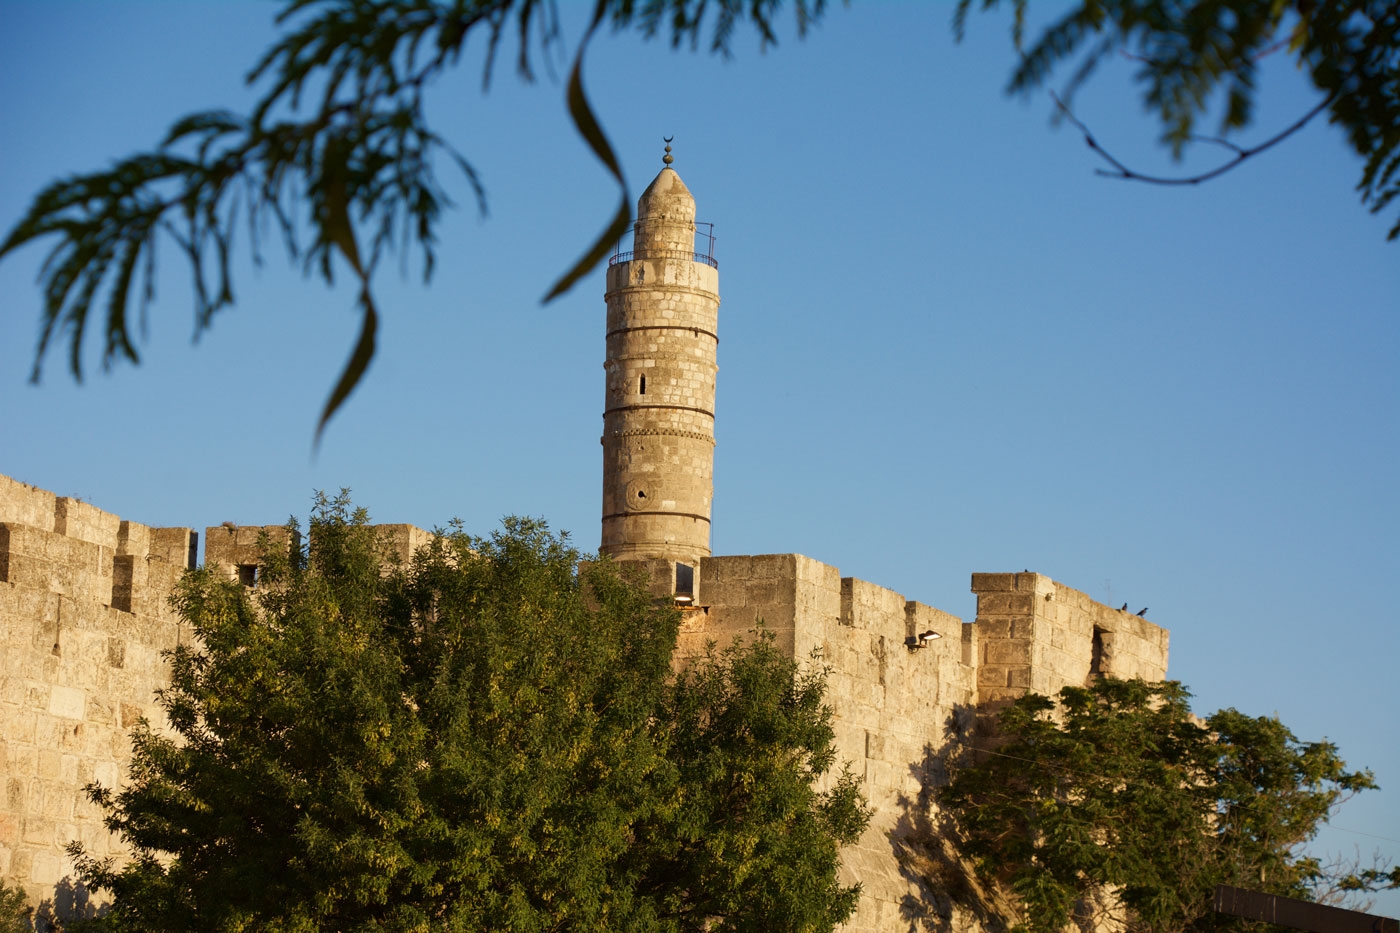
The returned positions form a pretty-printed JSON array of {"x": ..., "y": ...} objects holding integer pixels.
[{"x": 659, "y": 414}]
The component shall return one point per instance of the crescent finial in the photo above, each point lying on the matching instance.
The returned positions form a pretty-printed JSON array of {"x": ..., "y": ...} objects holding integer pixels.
[{"x": 667, "y": 158}]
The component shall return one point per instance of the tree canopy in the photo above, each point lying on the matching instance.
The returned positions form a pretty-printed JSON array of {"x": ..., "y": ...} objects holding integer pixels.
[
  {"x": 1118, "y": 801},
  {"x": 488, "y": 738}
]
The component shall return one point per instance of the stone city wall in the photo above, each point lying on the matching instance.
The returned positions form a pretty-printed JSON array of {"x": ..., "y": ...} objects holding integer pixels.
[
  {"x": 84, "y": 619},
  {"x": 890, "y": 701},
  {"x": 893, "y": 704}
]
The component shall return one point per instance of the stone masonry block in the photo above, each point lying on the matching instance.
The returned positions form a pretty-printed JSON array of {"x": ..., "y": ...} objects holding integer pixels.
[
  {"x": 76, "y": 519},
  {"x": 403, "y": 541},
  {"x": 874, "y": 608},
  {"x": 133, "y": 538},
  {"x": 1018, "y": 604},
  {"x": 658, "y": 577},
  {"x": 773, "y": 567},
  {"x": 1006, "y": 652},
  {"x": 874, "y": 745},
  {"x": 129, "y": 575},
  {"x": 66, "y": 702},
  {"x": 1003, "y": 628},
  {"x": 970, "y": 643},
  {"x": 20, "y": 540},
  {"x": 174, "y": 546},
  {"x": 718, "y": 571},
  {"x": 993, "y": 582},
  {"x": 47, "y": 868},
  {"x": 23, "y": 504},
  {"x": 227, "y": 547},
  {"x": 919, "y": 618}
]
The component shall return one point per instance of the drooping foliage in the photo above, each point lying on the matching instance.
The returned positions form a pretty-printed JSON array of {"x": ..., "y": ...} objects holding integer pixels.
[
  {"x": 1118, "y": 799},
  {"x": 338, "y": 158},
  {"x": 489, "y": 738},
  {"x": 336, "y": 155}
]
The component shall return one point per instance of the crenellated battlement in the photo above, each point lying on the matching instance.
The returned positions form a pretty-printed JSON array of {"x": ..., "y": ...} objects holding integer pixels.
[
  {"x": 76, "y": 550},
  {"x": 85, "y": 619},
  {"x": 84, "y": 605},
  {"x": 1040, "y": 635}
]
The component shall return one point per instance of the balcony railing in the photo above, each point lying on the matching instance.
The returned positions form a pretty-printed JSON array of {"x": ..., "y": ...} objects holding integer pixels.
[
  {"x": 703, "y": 232},
  {"x": 630, "y": 255}
]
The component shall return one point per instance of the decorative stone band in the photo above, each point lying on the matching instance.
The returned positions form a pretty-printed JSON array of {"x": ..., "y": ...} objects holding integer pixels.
[
  {"x": 670, "y": 289},
  {"x": 693, "y": 330},
  {"x": 669, "y": 432},
  {"x": 614, "y": 515},
  {"x": 671, "y": 407}
]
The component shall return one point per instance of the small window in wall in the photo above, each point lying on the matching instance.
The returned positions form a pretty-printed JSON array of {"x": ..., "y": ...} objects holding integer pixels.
[
  {"x": 1096, "y": 656},
  {"x": 248, "y": 574},
  {"x": 642, "y": 386},
  {"x": 685, "y": 584}
]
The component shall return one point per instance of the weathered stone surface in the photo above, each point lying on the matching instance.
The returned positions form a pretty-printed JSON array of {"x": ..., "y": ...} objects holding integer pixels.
[
  {"x": 659, "y": 411},
  {"x": 83, "y": 598}
]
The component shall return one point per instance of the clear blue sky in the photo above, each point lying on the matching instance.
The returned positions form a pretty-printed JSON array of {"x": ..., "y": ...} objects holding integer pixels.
[{"x": 946, "y": 346}]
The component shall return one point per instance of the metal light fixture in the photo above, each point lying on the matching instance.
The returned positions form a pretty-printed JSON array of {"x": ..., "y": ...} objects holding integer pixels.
[{"x": 921, "y": 640}]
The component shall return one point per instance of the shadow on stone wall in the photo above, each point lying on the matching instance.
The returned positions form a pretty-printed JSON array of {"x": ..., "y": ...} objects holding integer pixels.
[
  {"x": 950, "y": 898},
  {"x": 71, "y": 901}
]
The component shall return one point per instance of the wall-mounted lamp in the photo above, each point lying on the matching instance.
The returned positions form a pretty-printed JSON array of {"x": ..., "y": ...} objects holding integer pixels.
[{"x": 919, "y": 641}]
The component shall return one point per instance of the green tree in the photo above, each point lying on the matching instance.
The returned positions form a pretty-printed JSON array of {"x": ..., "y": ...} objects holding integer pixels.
[
  {"x": 15, "y": 912},
  {"x": 1119, "y": 797},
  {"x": 490, "y": 738},
  {"x": 1196, "y": 57}
]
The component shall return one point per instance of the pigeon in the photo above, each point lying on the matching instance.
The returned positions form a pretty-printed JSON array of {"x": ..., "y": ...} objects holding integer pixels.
[
  {"x": 1125, "y": 608},
  {"x": 1143, "y": 612}
]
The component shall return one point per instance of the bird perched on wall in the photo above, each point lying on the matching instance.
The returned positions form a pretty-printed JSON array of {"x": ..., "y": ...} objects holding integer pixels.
[
  {"x": 1125, "y": 608},
  {"x": 231, "y": 525},
  {"x": 1143, "y": 612}
]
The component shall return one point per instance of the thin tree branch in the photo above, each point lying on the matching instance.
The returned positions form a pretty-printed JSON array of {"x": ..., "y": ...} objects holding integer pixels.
[
  {"x": 1278, "y": 46},
  {"x": 1124, "y": 173}
]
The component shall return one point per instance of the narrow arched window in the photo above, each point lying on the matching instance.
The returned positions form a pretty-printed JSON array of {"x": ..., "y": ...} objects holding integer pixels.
[
  {"x": 1096, "y": 656},
  {"x": 642, "y": 386}
]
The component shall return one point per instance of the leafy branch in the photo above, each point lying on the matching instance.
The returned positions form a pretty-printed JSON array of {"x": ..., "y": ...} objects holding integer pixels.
[
  {"x": 1189, "y": 54},
  {"x": 336, "y": 157}
]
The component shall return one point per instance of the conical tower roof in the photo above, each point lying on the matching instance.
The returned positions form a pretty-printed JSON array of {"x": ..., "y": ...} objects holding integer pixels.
[
  {"x": 665, "y": 215},
  {"x": 662, "y": 195}
]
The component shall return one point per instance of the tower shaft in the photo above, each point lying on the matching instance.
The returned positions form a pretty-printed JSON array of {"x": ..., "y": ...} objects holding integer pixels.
[{"x": 658, "y": 419}]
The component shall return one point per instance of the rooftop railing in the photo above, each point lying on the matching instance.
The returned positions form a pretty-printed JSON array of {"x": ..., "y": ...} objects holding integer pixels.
[{"x": 703, "y": 232}]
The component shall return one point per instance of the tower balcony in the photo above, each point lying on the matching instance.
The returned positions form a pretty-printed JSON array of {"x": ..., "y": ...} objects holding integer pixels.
[{"x": 703, "y": 233}]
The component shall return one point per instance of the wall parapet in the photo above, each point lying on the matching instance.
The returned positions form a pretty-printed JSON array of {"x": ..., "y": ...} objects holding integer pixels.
[{"x": 1039, "y": 635}]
